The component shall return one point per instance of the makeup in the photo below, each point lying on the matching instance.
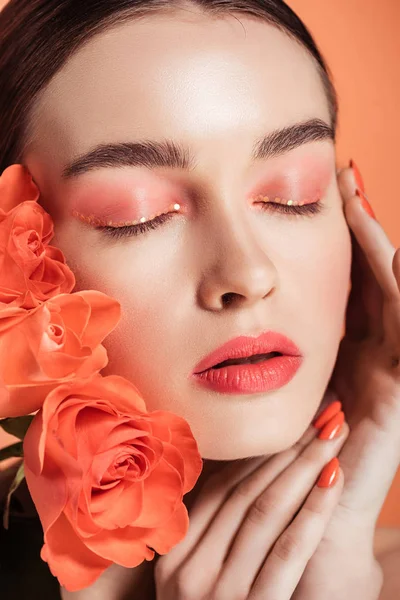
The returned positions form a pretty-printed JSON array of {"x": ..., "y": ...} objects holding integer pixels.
[
  {"x": 118, "y": 202},
  {"x": 121, "y": 200},
  {"x": 297, "y": 182},
  {"x": 247, "y": 365},
  {"x": 329, "y": 474},
  {"x": 326, "y": 415},
  {"x": 280, "y": 201},
  {"x": 271, "y": 374},
  {"x": 99, "y": 222},
  {"x": 333, "y": 428}
]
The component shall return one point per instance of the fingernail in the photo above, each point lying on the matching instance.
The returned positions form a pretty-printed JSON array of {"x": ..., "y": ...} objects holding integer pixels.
[
  {"x": 327, "y": 414},
  {"x": 329, "y": 473},
  {"x": 365, "y": 204},
  {"x": 332, "y": 428},
  {"x": 357, "y": 176}
]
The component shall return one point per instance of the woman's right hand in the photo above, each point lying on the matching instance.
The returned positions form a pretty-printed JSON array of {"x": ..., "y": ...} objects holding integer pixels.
[{"x": 254, "y": 526}]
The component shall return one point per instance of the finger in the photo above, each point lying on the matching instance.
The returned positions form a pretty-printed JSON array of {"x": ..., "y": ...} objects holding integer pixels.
[
  {"x": 373, "y": 448},
  {"x": 347, "y": 183},
  {"x": 288, "y": 559},
  {"x": 396, "y": 267},
  {"x": 364, "y": 309},
  {"x": 365, "y": 302},
  {"x": 330, "y": 397},
  {"x": 214, "y": 494},
  {"x": 375, "y": 245},
  {"x": 270, "y": 514}
]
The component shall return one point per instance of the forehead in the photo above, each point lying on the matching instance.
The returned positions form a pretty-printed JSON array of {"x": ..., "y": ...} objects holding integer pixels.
[{"x": 182, "y": 76}]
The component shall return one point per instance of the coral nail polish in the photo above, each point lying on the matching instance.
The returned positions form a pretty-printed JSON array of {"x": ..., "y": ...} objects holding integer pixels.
[
  {"x": 333, "y": 427},
  {"x": 329, "y": 473},
  {"x": 326, "y": 415},
  {"x": 366, "y": 205},
  {"x": 357, "y": 176}
]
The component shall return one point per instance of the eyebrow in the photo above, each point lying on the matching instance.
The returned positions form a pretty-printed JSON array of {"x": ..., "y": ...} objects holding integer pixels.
[{"x": 167, "y": 153}]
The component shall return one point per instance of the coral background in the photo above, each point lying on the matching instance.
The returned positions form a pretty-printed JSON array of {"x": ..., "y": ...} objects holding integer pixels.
[{"x": 361, "y": 42}]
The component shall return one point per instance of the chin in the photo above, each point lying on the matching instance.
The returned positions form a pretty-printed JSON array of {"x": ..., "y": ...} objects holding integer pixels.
[{"x": 262, "y": 444}]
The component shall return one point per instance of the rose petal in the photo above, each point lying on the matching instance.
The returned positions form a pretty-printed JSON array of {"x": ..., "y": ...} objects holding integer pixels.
[
  {"x": 182, "y": 438},
  {"x": 124, "y": 511},
  {"x": 69, "y": 559},
  {"x": 120, "y": 392},
  {"x": 47, "y": 485},
  {"x": 106, "y": 313},
  {"x": 165, "y": 482},
  {"x": 93, "y": 428},
  {"x": 126, "y": 547},
  {"x": 75, "y": 311},
  {"x": 23, "y": 399},
  {"x": 10, "y": 316},
  {"x": 163, "y": 539}
]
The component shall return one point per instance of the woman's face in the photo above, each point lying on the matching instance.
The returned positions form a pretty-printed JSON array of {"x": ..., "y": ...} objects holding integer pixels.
[{"x": 213, "y": 88}]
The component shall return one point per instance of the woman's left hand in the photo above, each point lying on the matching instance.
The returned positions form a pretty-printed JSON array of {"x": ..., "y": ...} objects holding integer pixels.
[{"x": 366, "y": 379}]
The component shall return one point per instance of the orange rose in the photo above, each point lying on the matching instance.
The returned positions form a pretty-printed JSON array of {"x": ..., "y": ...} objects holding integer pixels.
[
  {"x": 31, "y": 270},
  {"x": 107, "y": 478},
  {"x": 55, "y": 342}
]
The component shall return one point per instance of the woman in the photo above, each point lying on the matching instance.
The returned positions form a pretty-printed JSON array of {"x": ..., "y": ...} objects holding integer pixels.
[{"x": 186, "y": 153}]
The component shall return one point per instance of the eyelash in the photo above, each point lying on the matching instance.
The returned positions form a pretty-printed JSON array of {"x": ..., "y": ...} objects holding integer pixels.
[{"x": 134, "y": 230}]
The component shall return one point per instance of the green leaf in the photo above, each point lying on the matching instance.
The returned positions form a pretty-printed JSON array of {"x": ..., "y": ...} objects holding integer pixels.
[
  {"x": 19, "y": 476},
  {"x": 17, "y": 426},
  {"x": 10, "y": 451}
]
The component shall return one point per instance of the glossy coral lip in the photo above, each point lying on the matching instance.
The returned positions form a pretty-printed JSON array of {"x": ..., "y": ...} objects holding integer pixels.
[{"x": 245, "y": 346}]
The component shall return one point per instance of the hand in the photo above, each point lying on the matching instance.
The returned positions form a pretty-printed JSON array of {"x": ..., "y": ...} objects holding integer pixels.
[
  {"x": 366, "y": 379},
  {"x": 251, "y": 509}
]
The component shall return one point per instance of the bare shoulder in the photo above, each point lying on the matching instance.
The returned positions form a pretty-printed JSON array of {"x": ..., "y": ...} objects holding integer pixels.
[{"x": 386, "y": 539}]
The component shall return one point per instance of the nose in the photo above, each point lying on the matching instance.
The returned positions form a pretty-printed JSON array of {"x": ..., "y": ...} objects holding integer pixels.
[{"x": 238, "y": 272}]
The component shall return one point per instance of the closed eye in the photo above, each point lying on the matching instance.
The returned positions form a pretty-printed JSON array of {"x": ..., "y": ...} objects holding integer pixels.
[
  {"x": 312, "y": 208},
  {"x": 129, "y": 230}
]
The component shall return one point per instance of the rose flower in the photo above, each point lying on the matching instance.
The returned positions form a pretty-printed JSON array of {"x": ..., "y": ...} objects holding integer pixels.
[
  {"x": 57, "y": 341},
  {"x": 31, "y": 270},
  {"x": 107, "y": 478}
]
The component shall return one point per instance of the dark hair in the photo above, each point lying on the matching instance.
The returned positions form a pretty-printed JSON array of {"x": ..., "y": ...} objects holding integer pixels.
[{"x": 38, "y": 36}]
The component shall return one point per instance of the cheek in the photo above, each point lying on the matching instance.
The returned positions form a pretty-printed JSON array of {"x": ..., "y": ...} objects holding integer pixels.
[
  {"x": 147, "y": 346},
  {"x": 329, "y": 280},
  {"x": 335, "y": 272},
  {"x": 148, "y": 283}
]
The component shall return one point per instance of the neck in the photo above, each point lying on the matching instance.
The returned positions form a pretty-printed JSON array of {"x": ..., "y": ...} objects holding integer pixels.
[{"x": 210, "y": 467}]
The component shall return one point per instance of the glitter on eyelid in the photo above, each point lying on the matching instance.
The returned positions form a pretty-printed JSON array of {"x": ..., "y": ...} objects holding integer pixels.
[
  {"x": 279, "y": 200},
  {"x": 93, "y": 220}
]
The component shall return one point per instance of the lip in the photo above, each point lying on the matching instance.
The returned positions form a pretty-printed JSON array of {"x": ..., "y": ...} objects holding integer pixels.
[
  {"x": 245, "y": 346},
  {"x": 250, "y": 377}
]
